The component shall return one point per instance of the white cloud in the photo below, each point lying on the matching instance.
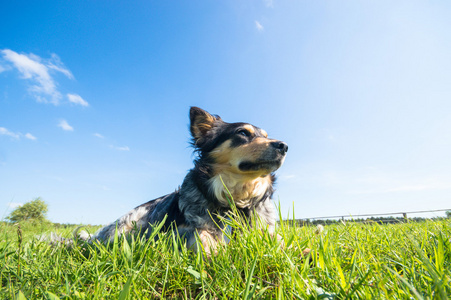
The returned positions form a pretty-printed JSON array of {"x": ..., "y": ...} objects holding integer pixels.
[
  {"x": 30, "y": 137},
  {"x": 98, "y": 135},
  {"x": 287, "y": 177},
  {"x": 4, "y": 131},
  {"x": 37, "y": 71},
  {"x": 16, "y": 135},
  {"x": 125, "y": 148},
  {"x": 77, "y": 99},
  {"x": 56, "y": 64},
  {"x": 65, "y": 126},
  {"x": 259, "y": 26}
]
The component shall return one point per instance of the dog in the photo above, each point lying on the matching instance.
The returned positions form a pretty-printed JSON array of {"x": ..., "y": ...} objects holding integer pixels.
[{"x": 235, "y": 162}]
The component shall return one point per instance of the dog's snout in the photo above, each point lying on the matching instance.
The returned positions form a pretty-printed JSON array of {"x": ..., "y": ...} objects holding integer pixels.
[{"x": 281, "y": 146}]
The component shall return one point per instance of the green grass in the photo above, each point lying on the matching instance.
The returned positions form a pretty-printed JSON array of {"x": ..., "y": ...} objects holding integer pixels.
[{"x": 349, "y": 261}]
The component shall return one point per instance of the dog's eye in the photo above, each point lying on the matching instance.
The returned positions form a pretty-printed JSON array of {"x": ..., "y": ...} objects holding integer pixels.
[{"x": 243, "y": 132}]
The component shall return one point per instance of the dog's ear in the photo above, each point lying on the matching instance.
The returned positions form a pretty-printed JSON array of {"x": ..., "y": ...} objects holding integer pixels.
[{"x": 201, "y": 122}]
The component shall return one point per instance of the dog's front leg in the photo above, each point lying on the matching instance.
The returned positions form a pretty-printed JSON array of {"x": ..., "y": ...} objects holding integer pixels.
[{"x": 207, "y": 240}]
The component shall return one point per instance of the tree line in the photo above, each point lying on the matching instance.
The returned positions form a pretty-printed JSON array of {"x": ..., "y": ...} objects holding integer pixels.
[{"x": 36, "y": 211}]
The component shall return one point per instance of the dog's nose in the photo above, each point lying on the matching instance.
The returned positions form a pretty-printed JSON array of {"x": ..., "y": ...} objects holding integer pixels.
[{"x": 281, "y": 146}]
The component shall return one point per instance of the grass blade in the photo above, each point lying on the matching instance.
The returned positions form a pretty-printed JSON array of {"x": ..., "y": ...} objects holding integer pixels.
[
  {"x": 247, "y": 292},
  {"x": 126, "y": 290},
  {"x": 20, "y": 296}
]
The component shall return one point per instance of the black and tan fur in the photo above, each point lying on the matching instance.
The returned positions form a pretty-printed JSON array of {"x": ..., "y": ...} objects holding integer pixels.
[{"x": 237, "y": 155}]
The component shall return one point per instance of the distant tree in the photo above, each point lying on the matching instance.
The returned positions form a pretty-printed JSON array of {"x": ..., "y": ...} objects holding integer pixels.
[
  {"x": 448, "y": 213},
  {"x": 35, "y": 210}
]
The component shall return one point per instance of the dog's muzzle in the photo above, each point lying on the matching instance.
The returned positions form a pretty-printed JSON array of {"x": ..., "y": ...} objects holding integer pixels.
[
  {"x": 270, "y": 160},
  {"x": 280, "y": 146}
]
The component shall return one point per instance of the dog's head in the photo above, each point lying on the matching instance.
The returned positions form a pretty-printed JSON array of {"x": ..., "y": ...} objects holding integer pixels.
[{"x": 238, "y": 148}]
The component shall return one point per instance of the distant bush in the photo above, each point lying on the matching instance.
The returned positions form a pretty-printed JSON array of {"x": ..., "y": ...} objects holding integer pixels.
[{"x": 34, "y": 211}]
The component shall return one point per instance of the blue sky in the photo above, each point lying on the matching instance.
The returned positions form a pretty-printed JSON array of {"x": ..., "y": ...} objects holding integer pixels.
[{"x": 94, "y": 100}]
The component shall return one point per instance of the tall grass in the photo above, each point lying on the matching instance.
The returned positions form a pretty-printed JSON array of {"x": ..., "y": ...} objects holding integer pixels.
[{"x": 348, "y": 261}]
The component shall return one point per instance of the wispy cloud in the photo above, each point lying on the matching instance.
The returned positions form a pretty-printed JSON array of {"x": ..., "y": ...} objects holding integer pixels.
[
  {"x": 65, "y": 126},
  {"x": 77, "y": 99},
  {"x": 98, "y": 135},
  {"x": 259, "y": 26},
  {"x": 36, "y": 71},
  {"x": 30, "y": 137},
  {"x": 56, "y": 64},
  {"x": 2, "y": 68},
  {"x": 124, "y": 148},
  {"x": 16, "y": 135},
  {"x": 118, "y": 148},
  {"x": 287, "y": 177},
  {"x": 4, "y": 131}
]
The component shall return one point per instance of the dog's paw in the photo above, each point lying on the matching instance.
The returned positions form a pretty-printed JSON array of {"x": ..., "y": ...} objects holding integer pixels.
[{"x": 306, "y": 252}]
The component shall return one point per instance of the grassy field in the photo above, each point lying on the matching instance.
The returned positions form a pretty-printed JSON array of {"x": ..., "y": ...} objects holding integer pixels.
[{"x": 348, "y": 261}]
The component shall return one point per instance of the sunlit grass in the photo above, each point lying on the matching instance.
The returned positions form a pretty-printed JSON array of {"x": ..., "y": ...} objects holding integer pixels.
[{"x": 348, "y": 261}]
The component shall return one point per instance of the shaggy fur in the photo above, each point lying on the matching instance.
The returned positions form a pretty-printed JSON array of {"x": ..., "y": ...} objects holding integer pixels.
[{"x": 237, "y": 155}]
